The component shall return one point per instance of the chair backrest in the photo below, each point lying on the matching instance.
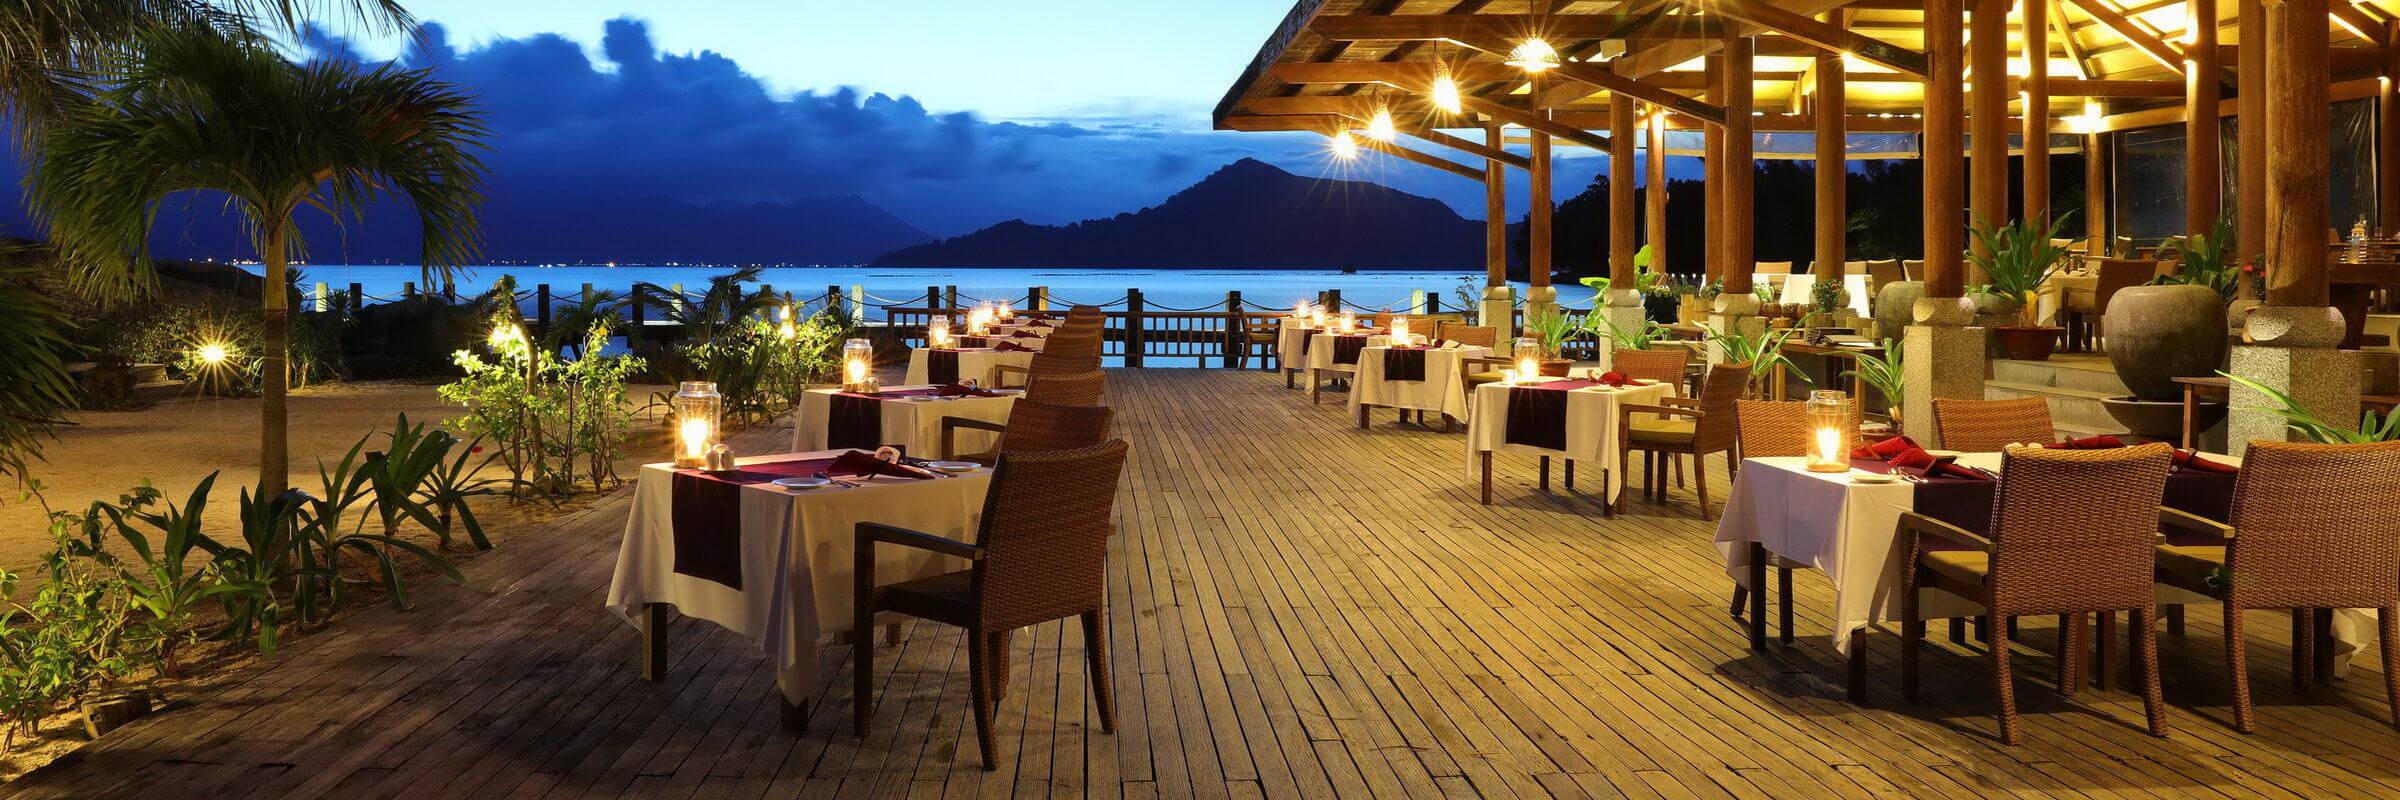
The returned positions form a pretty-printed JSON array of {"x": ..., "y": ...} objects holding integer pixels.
[
  {"x": 1881, "y": 273},
  {"x": 1854, "y": 267},
  {"x": 1077, "y": 345},
  {"x": 1985, "y": 426},
  {"x": 2318, "y": 525},
  {"x": 2075, "y": 528},
  {"x": 1083, "y": 318},
  {"x": 1036, "y": 426},
  {"x": 1913, "y": 269},
  {"x": 1771, "y": 268},
  {"x": 1477, "y": 335},
  {"x": 2116, "y": 274},
  {"x": 1664, "y": 364},
  {"x": 1772, "y": 428},
  {"x": 1720, "y": 426},
  {"x": 1046, "y": 523},
  {"x": 1068, "y": 389}
]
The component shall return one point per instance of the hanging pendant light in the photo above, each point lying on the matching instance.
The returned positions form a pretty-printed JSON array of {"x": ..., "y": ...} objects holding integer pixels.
[
  {"x": 1344, "y": 147},
  {"x": 1533, "y": 55},
  {"x": 1445, "y": 90},
  {"x": 1381, "y": 127}
]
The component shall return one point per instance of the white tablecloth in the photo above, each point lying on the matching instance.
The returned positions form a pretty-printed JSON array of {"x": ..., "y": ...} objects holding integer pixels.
[
  {"x": 1320, "y": 349},
  {"x": 1289, "y": 339},
  {"x": 1849, "y": 531},
  {"x": 1591, "y": 426},
  {"x": 1439, "y": 392},
  {"x": 973, "y": 364},
  {"x": 797, "y": 551},
  {"x": 915, "y": 426},
  {"x": 1798, "y": 288}
]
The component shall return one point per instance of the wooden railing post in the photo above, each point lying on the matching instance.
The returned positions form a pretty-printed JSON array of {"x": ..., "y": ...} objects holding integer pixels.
[
  {"x": 449, "y": 291},
  {"x": 1133, "y": 327},
  {"x": 1236, "y": 333},
  {"x": 933, "y": 298},
  {"x": 1433, "y": 302},
  {"x": 1037, "y": 298},
  {"x": 950, "y": 296},
  {"x": 358, "y": 297},
  {"x": 633, "y": 300},
  {"x": 541, "y": 306},
  {"x": 1333, "y": 301},
  {"x": 833, "y": 299},
  {"x": 408, "y": 289}
]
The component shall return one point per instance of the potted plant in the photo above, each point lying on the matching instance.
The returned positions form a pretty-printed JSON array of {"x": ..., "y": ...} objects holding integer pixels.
[
  {"x": 2173, "y": 327},
  {"x": 1552, "y": 329},
  {"x": 2018, "y": 258},
  {"x": 1761, "y": 353},
  {"x": 1885, "y": 374},
  {"x": 1826, "y": 302}
]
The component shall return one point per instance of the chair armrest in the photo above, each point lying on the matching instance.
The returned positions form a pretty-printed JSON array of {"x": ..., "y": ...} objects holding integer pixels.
[
  {"x": 1494, "y": 361},
  {"x": 1002, "y": 370},
  {"x": 2187, "y": 522},
  {"x": 1914, "y": 523},
  {"x": 1681, "y": 402},
  {"x": 1630, "y": 409},
  {"x": 950, "y": 426},
  {"x": 873, "y": 533}
]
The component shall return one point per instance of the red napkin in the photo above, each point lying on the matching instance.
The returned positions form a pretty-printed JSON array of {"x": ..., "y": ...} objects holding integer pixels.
[
  {"x": 1930, "y": 465},
  {"x": 1613, "y": 378},
  {"x": 2101, "y": 442},
  {"x": 963, "y": 390},
  {"x": 1024, "y": 335},
  {"x": 2189, "y": 459},
  {"x": 865, "y": 464},
  {"x": 1886, "y": 449},
  {"x": 1011, "y": 347}
]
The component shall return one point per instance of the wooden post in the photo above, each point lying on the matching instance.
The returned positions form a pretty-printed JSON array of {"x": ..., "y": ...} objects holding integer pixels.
[
  {"x": 950, "y": 297},
  {"x": 2250, "y": 131},
  {"x": 1537, "y": 217},
  {"x": 449, "y": 291},
  {"x": 1623, "y": 204},
  {"x": 408, "y": 289},
  {"x": 1654, "y": 165},
  {"x": 1988, "y": 163},
  {"x": 358, "y": 297},
  {"x": 2095, "y": 192},
  {"x": 1133, "y": 327},
  {"x": 933, "y": 298},
  {"x": 1833, "y": 159},
  {"x": 1037, "y": 298},
  {"x": 633, "y": 300},
  {"x": 2201, "y": 77},
  {"x": 1495, "y": 211},
  {"x": 1945, "y": 113},
  {"x": 1333, "y": 300},
  {"x": 1236, "y": 335},
  {"x": 2035, "y": 25},
  {"x": 1433, "y": 302},
  {"x": 1712, "y": 174},
  {"x": 2296, "y": 166},
  {"x": 541, "y": 305},
  {"x": 1740, "y": 172},
  {"x": 2387, "y": 139}
]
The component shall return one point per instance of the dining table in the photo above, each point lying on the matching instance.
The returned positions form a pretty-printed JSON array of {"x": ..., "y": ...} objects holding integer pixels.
[
  {"x": 906, "y": 417},
  {"x": 1291, "y": 346},
  {"x": 774, "y": 564},
  {"x": 1567, "y": 418},
  {"x": 1421, "y": 377},
  {"x": 938, "y": 365},
  {"x": 1337, "y": 351},
  {"x": 1846, "y": 527}
]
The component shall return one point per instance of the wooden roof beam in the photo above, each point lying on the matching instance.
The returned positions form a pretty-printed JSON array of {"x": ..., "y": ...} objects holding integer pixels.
[
  {"x": 1601, "y": 76},
  {"x": 1405, "y": 154},
  {"x": 1820, "y": 34},
  {"x": 2109, "y": 17},
  {"x": 1533, "y": 121},
  {"x": 1556, "y": 28},
  {"x": 2065, "y": 34}
]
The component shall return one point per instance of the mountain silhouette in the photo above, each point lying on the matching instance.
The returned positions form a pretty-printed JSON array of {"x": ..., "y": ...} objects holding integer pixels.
[{"x": 1247, "y": 214}]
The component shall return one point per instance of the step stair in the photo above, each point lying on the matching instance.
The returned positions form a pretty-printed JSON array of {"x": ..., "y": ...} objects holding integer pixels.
[{"x": 2074, "y": 387}]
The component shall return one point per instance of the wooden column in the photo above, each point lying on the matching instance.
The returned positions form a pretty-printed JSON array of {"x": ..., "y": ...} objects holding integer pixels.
[
  {"x": 2095, "y": 192},
  {"x": 1654, "y": 167},
  {"x": 1712, "y": 176},
  {"x": 2035, "y": 25},
  {"x": 1988, "y": 157},
  {"x": 1495, "y": 212},
  {"x": 1833, "y": 162},
  {"x": 1945, "y": 114},
  {"x": 1623, "y": 203},
  {"x": 2296, "y": 166},
  {"x": 2200, "y": 95},
  {"x": 2250, "y": 132},
  {"x": 2387, "y": 140},
  {"x": 1537, "y": 215},
  {"x": 1740, "y": 172}
]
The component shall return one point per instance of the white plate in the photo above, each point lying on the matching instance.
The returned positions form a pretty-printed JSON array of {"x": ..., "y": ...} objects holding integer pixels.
[
  {"x": 955, "y": 467},
  {"x": 1863, "y": 476},
  {"x": 1945, "y": 453},
  {"x": 918, "y": 398},
  {"x": 798, "y": 484}
]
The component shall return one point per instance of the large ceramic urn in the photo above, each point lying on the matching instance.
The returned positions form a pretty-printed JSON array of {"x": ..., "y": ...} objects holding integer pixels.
[
  {"x": 1895, "y": 306},
  {"x": 2155, "y": 334}
]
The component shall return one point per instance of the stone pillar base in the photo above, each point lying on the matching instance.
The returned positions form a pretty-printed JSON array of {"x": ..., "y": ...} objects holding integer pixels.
[
  {"x": 2291, "y": 349},
  {"x": 1734, "y": 313},
  {"x": 1622, "y": 312},
  {"x": 1944, "y": 359},
  {"x": 1539, "y": 299},
  {"x": 1499, "y": 304}
]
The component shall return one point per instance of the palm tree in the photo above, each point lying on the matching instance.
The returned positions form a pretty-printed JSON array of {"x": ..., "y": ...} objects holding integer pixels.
[{"x": 198, "y": 110}]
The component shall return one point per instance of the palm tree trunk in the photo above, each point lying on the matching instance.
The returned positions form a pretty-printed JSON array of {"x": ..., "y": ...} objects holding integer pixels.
[{"x": 274, "y": 459}]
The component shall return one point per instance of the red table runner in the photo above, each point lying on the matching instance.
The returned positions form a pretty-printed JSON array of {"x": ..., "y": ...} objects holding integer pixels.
[
  {"x": 707, "y": 516},
  {"x": 1537, "y": 413},
  {"x": 1404, "y": 364}
]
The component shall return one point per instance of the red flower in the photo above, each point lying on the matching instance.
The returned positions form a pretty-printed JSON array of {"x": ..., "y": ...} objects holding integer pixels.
[{"x": 475, "y": 449}]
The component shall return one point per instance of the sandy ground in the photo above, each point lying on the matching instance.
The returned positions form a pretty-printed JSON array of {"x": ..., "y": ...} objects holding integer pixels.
[{"x": 178, "y": 442}]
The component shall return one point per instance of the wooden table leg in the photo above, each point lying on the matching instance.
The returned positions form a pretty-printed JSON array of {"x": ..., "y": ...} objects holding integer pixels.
[
  {"x": 891, "y": 635},
  {"x": 1858, "y": 665},
  {"x": 1362, "y": 416},
  {"x": 654, "y": 641},
  {"x": 795, "y": 715},
  {"x": 1783, "y": 589},
  {"x": 2191, "y": 407},
  {"x": 1545, "y": 481},
  {"x": 1312, "y": 386},
  {"x": 1758, "y": 596},
  {"x": 1487, "y": 477},
  {"x": 1570, "y": 477}
]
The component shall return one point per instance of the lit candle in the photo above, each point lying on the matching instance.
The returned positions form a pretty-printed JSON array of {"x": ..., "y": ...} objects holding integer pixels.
[
  {"x": 695, "y": 438},
  {"x": 937, "y": 333},
  {"x": 858, "y": 372},
  {"x": 1829, "y": 426},
  {"x": 1003, "y": 311},
  {"x": 1529, "y": 366},
  {"x": 1300, "y": 310},
  {"x": 1400, "y": 331},
  {"x": 1349, "y": 322}
]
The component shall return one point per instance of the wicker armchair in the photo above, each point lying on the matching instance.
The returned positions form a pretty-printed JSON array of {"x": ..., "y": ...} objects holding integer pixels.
[
  {"x": 2313, "y": 527},
  {"x": 2071, "y": 534},
  {"x": 1772, "y": 429},
  {"x": 1061, "y": 354},
  {"x": 1666, "y": 365},
  {"x": 1986, "y": 426},
  {"x": 1686, "y": 427},
  {"x": 1462, "y": 333},
  {"x": 1258, "y": 338},
  {"x": 1033, "y": 426},
  {"x": 1075, "y": 389},
  {"x": 1041, "y": 555}
]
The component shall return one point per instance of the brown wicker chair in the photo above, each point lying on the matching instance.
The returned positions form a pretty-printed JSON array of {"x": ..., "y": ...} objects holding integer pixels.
[
  {"x": 2312, "y": 528},
  {"x": 1076, "y": 389},
  {"x": 1986, "y": 426},
  {"x": 1690, "y": 427},
  {"x": 1041, "y": 555},
  {"x": 1667, "y": 364},
  {"x": 1883, "y": 273},
  {"x": 2071, "y": 534},
  {"x": 1033, "y": 426},
  {"x": 1258, "y": 339},
  {"x": 1061, "y": 354},
  {"x": 1772, "y": 429},
  {"x": 1462, "y": 333}
]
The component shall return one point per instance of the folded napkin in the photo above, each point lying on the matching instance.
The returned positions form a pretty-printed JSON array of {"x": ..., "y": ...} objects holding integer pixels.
[
  {"x": 1613, "y": 378},
  {"x": 865, "y": 464},
  {"x": 1024, "y": 335},
  {"x": 1933, "y": 466},
  {"x": 2190, "y": 459},
  {"x": 1886, "y": 449},
  {"x": 1011, "y": 347},
  {"x": 963, "y": 390},
  {"x": 2101, "y": 442}
]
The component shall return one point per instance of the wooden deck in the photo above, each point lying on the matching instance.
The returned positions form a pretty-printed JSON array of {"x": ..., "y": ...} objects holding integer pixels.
[{"x": 1301, "y": 609}]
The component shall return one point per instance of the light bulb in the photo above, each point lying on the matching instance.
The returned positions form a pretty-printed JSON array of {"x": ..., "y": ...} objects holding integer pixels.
[
  {"x": 1381, "y": 126},
  {"x": 1445, "y": 93},
  {"x": 1533, "y": 55},
  {"x": 1345, "y": 147}
]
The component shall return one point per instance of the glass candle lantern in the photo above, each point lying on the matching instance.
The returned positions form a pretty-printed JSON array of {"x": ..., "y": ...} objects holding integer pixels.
[
  {"x": 858, "y": 365},
  {"x": 1400, "y": 332},
  {"x": 1349, "y": 322},
  {"x": 1003, "y": 312},
  {"x": 1316, "y": 316},
  {"x": 978, "y": 321},
  {"x": 697, "y": 409},
  {"x": 1829, "y": 431},
  {"x": 1529, "y": 356},
  {"x": 1300, "y": 310},
  {"x": 937, "y": 332}
]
